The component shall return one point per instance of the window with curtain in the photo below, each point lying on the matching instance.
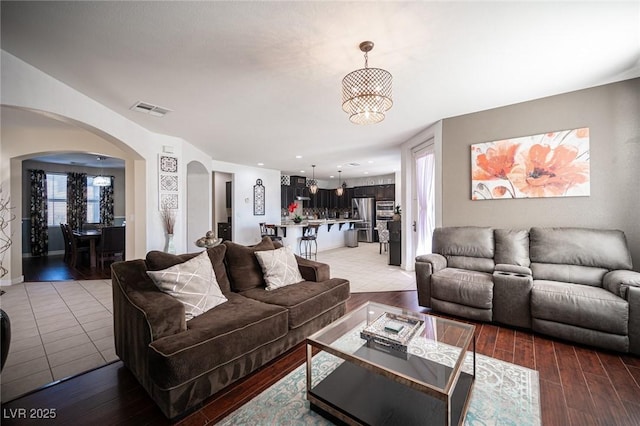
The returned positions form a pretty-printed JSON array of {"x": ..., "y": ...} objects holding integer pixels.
[
  {"x": 106, "y": 204},
  {"x": 76, "y": 199},
  {"x": 38, "y": 213},
  {"x": 56, "y": 199},
  {"x": 93, "y": 201}
]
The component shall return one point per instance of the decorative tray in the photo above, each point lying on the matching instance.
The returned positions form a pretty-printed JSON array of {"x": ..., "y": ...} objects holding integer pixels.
[{"x": 393, "y": 331}]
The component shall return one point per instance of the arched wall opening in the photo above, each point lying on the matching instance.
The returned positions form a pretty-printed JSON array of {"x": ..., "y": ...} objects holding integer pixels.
[{"x": 29, "y": 133}]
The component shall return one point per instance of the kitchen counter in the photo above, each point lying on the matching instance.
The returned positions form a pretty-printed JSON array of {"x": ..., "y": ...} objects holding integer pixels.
[
  {"x": 328, "y": 238},
  {"x": 329, "y": 222}
]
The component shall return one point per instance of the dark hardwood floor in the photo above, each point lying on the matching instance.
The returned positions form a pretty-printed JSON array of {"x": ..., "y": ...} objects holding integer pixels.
[
  {"x": 54, "y": 268},
  {"x": 578, "y": 385}
]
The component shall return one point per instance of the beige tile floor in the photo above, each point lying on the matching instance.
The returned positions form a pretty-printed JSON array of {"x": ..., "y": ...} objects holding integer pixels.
[
  {"x": 60, "y": 329},
  {"x": 366, "y": 269}
]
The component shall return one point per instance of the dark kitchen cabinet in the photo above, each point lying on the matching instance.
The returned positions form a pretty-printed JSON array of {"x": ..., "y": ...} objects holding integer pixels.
[
  {"x": 375, "y": 191},
  {"x": 287, "y": 196},
  {"x": 385, "y": 192},
  {"x": 395, "y": 242}
]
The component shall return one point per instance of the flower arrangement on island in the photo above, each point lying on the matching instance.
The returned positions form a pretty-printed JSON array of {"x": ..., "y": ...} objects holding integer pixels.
[{"x": 292, "y": 208}]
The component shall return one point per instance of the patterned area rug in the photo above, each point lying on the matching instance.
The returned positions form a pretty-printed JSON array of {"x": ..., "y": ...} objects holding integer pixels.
[{"x": 503, "y": 393}]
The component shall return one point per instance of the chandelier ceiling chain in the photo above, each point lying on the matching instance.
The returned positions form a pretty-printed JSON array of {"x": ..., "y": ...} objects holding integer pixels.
[{"x": 366, "y": 92}]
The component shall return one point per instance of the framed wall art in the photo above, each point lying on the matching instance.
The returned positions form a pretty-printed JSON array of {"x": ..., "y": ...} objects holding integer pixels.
[
  {"x": 168, "y": 182},
  {"x": 554, "y": 164}
]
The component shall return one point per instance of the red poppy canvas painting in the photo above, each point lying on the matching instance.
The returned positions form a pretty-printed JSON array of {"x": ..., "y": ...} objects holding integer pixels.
[{"x": 554, "y": 164}]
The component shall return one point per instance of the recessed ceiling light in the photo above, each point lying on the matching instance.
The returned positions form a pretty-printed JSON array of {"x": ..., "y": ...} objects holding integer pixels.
[
  {"x": 260, "y": 164},
  {"x": 298, "y": 156},
  {"x": 301, "y": 171},
  {"x": 366, "y": 173},
  {"x": 370, "y": 162},
  {"x": 331, "y": 177},
  {"x": 338, "y": 166}
]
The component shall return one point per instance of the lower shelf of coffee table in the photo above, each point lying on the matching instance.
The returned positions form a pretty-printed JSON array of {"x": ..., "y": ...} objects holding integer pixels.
[{"x": 368, "y": 398}]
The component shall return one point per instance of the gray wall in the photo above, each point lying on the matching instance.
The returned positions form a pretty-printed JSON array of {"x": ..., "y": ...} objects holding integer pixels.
[{"x": 612, "y": 113}]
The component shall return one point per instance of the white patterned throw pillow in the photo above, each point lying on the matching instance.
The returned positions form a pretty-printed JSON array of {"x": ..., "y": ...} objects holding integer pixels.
[
  {"x": 193, "y": 283},
  {"x": 279, "y": 267}
]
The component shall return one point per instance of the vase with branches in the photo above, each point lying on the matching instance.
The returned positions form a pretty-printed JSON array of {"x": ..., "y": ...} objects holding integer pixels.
[{"x": 168, "y": 221}]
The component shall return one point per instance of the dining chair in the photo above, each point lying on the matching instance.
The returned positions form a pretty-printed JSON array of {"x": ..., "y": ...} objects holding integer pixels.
[
  {"x": 383, "y": 235},
  {"x": 76, "y": 246},
  {"x": 112, "y": 243},
  {"x": 67, "y": 242}
]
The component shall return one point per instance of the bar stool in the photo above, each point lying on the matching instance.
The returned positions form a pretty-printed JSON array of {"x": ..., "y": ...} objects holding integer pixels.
[
  {"x": 269, "y": 231},
  {"x": 309, "y": 236}
]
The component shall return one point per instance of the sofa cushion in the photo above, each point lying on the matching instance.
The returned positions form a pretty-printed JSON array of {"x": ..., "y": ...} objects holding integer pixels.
[
  {"x": 599, "y": 248},
  {"x": 215, "y": 338},
  {"x": 512, "y": 246},
  {"x": 469, "y": 241},
  {"x": 579, "y": 305},
  {"x": 465, "y": 247},
  {"x": 157, "y": 260},
  {"x": 470, "y": 288},
  {"x": 568, "y": 273},
  {"x": 193, "y": 283},
  {"x": 279, "y": 267},
  {"x": 305, "y": 300},
  {"x": 243, "y": 267}
]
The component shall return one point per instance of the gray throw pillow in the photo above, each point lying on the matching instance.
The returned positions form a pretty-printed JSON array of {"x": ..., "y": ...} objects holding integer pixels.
[
  {"x": 279, "y": 267},
  {"x": 193, "y": 283}
]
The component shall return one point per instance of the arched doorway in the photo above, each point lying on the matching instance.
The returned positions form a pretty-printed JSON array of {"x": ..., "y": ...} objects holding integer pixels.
[{"x": 27, "y": 134}]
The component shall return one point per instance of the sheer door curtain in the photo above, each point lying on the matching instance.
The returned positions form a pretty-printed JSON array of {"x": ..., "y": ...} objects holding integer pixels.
[{"x": 425, "y": 223}]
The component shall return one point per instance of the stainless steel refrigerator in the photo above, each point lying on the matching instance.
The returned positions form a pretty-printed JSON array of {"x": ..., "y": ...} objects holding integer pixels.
[{"x": 364, "y": 209}]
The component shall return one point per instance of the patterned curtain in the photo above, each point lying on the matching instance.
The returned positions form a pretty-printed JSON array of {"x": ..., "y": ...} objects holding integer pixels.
[
  {"x": 38, "y": 213},
  {"x": 76, "y": 199},
  {"x": 106, "y": 204}
]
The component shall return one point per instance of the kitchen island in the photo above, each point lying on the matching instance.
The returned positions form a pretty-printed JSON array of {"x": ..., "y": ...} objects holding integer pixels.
[{"x": 331, "y": 233}]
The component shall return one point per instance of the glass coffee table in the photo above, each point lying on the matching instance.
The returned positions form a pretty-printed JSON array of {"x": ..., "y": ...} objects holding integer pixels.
[{"x": 386, "y": 365}]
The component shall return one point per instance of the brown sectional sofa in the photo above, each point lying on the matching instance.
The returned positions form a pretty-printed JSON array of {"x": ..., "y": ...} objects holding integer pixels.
[
  {"x": 573, "y": 283},
  {"x": 181, "y": 363}
]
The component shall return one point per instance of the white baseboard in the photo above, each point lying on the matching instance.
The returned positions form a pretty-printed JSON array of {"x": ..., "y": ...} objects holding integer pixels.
[{"x": 6, "y": 283}]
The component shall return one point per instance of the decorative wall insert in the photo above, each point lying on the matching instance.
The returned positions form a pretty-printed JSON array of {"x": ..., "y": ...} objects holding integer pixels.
[
  {"x": 258, "y": 198},
  {"x": 554, "y": 164},
  {"x": 168, "y": 182}
]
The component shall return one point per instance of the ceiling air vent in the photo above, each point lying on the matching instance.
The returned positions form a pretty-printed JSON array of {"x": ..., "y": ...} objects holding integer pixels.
[{"x": 147, "y": 108}]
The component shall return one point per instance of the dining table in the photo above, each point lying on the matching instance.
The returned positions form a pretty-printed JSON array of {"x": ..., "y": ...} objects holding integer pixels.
[{"x": 93, "y": 237}]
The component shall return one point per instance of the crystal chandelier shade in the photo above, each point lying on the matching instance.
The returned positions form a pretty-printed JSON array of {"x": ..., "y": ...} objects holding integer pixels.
[
  {"x": 101, "y": 181},
  {"x": 367, "y": 93},
  {"x": 313, "y": 188},
  {"x": 340, "y": 188}
]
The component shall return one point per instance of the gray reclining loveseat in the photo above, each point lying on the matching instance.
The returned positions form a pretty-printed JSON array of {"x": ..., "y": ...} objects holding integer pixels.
[{"x": 572, "y": 283}]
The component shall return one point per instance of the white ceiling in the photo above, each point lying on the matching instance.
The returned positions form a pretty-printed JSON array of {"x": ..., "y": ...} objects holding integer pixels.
[{"x": 252, "y": 82}]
